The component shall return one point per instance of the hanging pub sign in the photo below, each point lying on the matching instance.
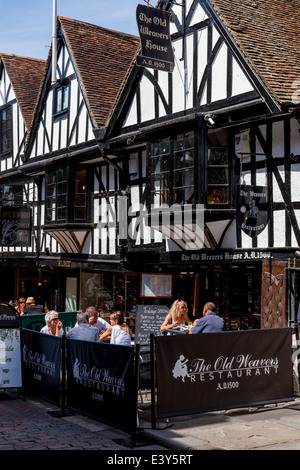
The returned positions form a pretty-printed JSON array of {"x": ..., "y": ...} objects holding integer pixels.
[
  {"x": 156, "y": 47},
  {"x": 15, "y": 226},
  {"x": 252, "y": 209}
]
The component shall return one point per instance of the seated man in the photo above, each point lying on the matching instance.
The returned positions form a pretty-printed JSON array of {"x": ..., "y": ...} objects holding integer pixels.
[
  {"x": 31, "y": 307},
  {"x": 83, "y": 330},
  {"x": 210, "y": 322},
  {"x": 96, "y": 321}
]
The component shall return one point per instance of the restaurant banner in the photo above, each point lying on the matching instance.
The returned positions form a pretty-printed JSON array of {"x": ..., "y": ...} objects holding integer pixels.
[
  {"x": 217, "y": 371},
  {"x": 156, "y": 46},
  {"x": 10, "y": 347},
  {"x": 101, "y": 382},
  {"x": 41, "y": 364},
  {"x": 252, "y": 209}
]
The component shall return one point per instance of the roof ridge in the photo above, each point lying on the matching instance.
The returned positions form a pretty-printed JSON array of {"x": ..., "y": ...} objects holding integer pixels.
[
  {"x": 5, "y": 54},
  {"x": 97, "y": 26}
]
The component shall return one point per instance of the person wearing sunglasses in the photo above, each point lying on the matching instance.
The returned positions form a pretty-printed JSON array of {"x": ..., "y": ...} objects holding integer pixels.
[
  {"x": 53, "y": 324},
  {"x": 21, "y": 305}
]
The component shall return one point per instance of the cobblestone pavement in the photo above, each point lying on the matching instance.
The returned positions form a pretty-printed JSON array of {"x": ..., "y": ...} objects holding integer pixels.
[{"x": 33, "y": 424}]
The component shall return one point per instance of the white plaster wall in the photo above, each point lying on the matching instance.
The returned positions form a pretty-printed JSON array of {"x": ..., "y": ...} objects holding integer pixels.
[{"x": 219, "y": 75}]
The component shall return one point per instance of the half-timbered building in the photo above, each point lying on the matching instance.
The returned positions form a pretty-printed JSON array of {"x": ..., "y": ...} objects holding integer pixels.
[
  {"x": 113, "y": 144},
  {"x": 220, "y": 131},
  {"x": 20, "y": 79},
  {"x": 63, "y": 164}
]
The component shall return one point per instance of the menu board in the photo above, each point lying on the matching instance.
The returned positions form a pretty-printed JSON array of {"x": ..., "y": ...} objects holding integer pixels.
[{"x": 149, "y": 319}]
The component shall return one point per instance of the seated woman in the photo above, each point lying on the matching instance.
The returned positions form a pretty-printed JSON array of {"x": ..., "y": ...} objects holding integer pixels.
[
  {"x": 117, "y": 332},
  {"x": 53, "y": 324},
  {"x": 177, "y": 315},
  {"x": 21, "y": 305}
]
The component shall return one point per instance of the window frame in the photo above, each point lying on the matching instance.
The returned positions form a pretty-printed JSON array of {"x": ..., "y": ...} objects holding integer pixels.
[
  {"x": 218, "y": 141},
  {"x": 61, "y": 87},
  {"x": 8, "y": 150},
  {"x": 69, "y": 195},
  {"x": 162, "y": 154}
]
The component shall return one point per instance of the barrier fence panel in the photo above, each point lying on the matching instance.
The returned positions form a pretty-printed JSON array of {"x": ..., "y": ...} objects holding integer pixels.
[
  {"x": 42, "y": 365},
  {"x": 102, "y": 382},
  {"x": 36, "y": 321},
  {"x": 197, "y": 373},
  {"x": 10, "y": 348}
]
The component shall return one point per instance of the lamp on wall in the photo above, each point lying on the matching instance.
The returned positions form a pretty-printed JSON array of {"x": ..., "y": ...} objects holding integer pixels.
[{"x": 209, "y": 119}]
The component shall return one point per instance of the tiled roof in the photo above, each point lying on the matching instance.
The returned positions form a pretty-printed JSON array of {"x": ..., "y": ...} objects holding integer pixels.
[
  {"x": 25, "y": 75},
  {"x": 268, "y": 34},
  {"x": 102, "y": 58}
]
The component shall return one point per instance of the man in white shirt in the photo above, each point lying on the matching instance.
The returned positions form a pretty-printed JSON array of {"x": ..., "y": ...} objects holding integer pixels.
[{"x": 96, "y": 321}]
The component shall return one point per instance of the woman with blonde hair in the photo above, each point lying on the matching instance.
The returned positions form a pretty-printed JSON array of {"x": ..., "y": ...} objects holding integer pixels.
[{"x": 178, "y": 315}]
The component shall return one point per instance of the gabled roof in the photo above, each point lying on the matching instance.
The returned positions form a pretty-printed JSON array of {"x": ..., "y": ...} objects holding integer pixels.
[
  {"x": 102, "y": 58},
  {"x": 268, "y": 35},
  {"x": 25, "y": 75}
]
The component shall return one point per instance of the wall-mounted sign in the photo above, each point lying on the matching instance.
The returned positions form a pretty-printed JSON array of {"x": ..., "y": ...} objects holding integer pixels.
[
  {"x": 252, "y": 209},
  {"x": 156, "y": 47},
  {"x": 15, "y": 226}
]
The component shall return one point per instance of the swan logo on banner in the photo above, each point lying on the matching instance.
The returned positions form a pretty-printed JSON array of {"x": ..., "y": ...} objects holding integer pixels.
[
  {"x": 156, "y": 46},
  {"x": 252, "y": 209}
]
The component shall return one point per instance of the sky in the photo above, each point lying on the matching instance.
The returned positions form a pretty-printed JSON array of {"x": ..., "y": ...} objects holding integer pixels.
[{"x": 26, "y": 25}]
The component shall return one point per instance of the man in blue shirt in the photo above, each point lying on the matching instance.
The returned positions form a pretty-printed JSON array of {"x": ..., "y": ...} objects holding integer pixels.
[
  {"x": 210, "y": 322},
  {"x": 84, "y": 330}
]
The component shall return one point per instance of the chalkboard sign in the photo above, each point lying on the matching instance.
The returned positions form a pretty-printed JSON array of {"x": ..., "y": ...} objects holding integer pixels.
[{"x": 149, "y": 319}]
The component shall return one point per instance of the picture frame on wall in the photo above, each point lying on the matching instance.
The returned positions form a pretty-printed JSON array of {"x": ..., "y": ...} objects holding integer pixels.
[{"x": 156, "y": 285}]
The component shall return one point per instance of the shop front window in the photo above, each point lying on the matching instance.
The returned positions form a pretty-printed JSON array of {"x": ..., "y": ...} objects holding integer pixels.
[
  {"x": 109, "y": 292},
  {"x": 172, "y": 170}
]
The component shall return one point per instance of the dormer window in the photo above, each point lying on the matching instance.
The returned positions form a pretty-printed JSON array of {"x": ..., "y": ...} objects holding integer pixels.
[{"x": 62, "y": 98}]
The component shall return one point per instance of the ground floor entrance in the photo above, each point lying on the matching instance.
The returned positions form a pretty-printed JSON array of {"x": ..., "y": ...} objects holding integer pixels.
[
  {"x": 236, "y": 292},
  {"x": 251, "y": 295}
]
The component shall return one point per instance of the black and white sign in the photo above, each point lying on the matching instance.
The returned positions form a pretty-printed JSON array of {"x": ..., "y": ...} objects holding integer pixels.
[
  {"x": 156, "y": 47},
  {"x": 8, "y": 316},
  {"x": 252, "y": 209},
  {"x": 10, "y": 347},
  {"x": 216, "y": 371},
  {"x": 101, "y": 381},
  {"x": 16, "y": 226},
  {"x": 42, "y": 360}
]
